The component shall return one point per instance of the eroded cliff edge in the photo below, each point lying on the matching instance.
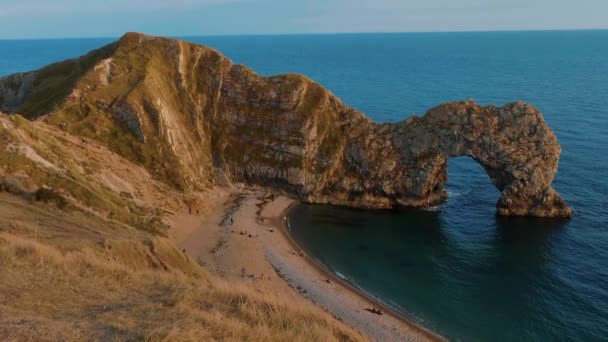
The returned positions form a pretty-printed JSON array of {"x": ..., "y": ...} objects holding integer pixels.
[{"x": 194, "y": 118}]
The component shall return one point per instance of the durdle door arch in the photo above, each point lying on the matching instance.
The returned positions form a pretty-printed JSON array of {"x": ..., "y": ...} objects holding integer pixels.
[{"x": 519, "y": 152}]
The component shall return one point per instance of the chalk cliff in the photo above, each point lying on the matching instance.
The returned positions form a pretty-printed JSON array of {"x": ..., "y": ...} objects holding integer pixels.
[{"x": 194, "y": 118}]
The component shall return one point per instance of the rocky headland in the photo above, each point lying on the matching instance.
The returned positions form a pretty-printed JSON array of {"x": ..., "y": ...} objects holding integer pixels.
[{"x": 192, "y": 118}]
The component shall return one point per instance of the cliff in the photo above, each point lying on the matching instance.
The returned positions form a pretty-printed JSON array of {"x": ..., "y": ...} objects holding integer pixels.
[{"x": 193, "y": 118}]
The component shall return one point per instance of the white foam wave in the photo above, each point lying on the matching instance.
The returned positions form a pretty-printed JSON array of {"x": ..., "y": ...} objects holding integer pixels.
[
  {"x": 452, "y": 193},
  {"x": 341, "y": 275}
]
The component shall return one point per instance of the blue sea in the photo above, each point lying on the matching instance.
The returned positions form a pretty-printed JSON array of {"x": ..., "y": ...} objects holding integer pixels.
[{"x": 456, "y": 268}]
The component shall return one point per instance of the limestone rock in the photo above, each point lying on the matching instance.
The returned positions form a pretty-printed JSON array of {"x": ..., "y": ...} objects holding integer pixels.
[{"x": 193, "y": 117}]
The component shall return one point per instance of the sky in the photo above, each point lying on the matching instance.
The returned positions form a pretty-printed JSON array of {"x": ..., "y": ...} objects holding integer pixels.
[{"x": 111, "y": 18}]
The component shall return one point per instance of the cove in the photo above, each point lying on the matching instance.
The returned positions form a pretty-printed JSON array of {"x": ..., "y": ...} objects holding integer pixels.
[{"x": 458, "y": 268}]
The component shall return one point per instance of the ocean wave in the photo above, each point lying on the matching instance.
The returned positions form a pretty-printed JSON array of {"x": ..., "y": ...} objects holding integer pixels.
[
  {"x": 454, "y": 194},
  {"x": 433, "y": 208},
  {"x": 342, "y": 276}
]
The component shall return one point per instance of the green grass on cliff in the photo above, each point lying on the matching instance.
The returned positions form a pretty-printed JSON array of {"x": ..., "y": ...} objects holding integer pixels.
[
  {"x": 56, "y": 81},
  {"x": 146, "y": 70},
  {"x": 62, "y": 183},
  {"x": 144, "y": 76}
]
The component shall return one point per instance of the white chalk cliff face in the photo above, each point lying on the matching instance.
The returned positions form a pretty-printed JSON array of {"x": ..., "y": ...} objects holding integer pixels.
[{"x": 194, "y": 118}]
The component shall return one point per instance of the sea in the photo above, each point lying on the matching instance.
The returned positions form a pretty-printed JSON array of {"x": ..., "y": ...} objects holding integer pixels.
[{"x": 456, "y": 268}]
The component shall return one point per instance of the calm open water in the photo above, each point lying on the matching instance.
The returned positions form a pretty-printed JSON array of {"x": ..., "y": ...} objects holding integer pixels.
[{"x": 457, "y": 268}]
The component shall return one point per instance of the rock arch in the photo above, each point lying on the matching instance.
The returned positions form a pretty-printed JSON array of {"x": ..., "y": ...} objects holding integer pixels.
[{"x": 513, "y": 143}]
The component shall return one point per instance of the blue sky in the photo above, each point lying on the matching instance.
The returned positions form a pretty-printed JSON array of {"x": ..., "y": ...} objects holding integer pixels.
[{"x": 110, "y": 18}]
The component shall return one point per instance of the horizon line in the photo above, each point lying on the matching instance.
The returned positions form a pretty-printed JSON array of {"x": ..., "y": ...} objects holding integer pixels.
[{"x": 308, "y": 33}]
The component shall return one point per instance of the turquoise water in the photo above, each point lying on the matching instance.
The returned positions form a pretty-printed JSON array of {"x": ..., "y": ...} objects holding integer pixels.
[{"x": 457, "y": 268}]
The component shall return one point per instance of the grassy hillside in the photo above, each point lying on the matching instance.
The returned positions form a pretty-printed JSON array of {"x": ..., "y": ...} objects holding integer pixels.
[
  {"x": 41, "y": 163},
  {"x": 71, "y": 276}
]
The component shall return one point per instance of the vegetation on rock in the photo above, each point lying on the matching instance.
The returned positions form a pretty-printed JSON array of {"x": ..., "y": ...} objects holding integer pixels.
[{"x": 193, "y": 118}]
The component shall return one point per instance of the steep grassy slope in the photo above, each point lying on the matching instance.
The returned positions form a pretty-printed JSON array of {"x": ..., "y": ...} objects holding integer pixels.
[
  {"x": 39, "y": 162},
  {"x": 37, "y": 93},
  {"x": 71, "y": 276}
]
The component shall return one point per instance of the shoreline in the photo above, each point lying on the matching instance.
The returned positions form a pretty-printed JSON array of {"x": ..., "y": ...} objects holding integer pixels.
[
  {"x": 282, "y": 224},
  {"x": 237, "y": 240}
]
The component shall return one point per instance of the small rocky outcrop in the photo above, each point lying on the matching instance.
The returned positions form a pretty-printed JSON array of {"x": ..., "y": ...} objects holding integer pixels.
[
  {"x": 14, "y": 89},
  {"x": 194, "y": 118}
]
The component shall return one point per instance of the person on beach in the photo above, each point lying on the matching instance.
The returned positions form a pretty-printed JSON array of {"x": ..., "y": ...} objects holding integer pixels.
[{"x": 243, "y": 271}]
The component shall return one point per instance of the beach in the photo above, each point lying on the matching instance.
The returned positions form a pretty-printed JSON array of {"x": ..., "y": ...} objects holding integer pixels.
[{"x": 242, "y": 237}]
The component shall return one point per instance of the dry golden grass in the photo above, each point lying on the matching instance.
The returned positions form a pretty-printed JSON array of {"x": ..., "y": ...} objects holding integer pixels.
[{"x": 129, "y": 286}]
